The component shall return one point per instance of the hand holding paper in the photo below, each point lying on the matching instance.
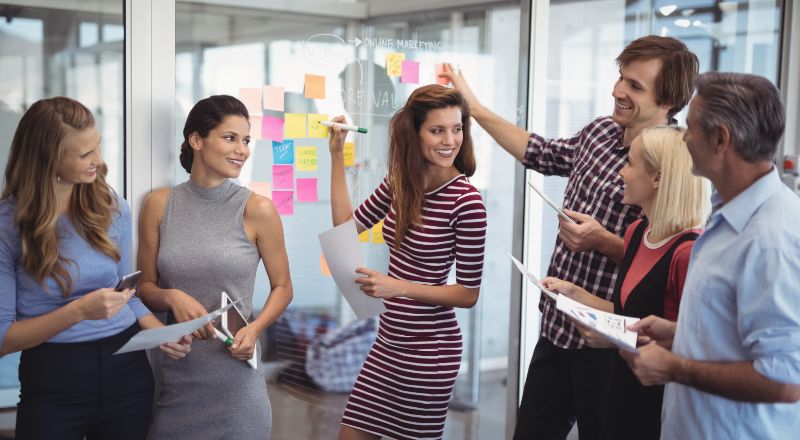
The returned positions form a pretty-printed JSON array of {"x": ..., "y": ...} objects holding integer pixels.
[
  {"x": 532, "y": 278},
  {"x": 611, "y": 326}
]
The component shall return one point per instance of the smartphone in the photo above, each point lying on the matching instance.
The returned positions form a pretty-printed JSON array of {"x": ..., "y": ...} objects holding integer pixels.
[{"x": 129, "y": 281}]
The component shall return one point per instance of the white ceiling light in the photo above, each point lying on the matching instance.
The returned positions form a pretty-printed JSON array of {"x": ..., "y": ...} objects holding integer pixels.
[
  {"x": 687, "y": 12},
  {"x": 682, "y": 22},
  {"x": 668, "y": 9}
]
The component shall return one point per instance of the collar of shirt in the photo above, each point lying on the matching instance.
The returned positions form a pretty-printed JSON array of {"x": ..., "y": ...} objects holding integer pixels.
[{"x": 738, "y": 211}]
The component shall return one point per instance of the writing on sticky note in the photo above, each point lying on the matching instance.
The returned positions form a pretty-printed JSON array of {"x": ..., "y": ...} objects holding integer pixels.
[
  {"x": 315, "y": 129},
  {"x": 261, "y": 188},
  {"x": 441, "y": 80},
  {"x": 273, "y": 98},
  {"x": 283, "y": 152},
  {"x": 255, "y": 128},
  {"x": 394, "y": 62},
  {"x": 284, "y": 202},
  {"x": 272, "y": 128},
  {"x": 307, "y": 190},
  {"x": 294, "y": 125},
  {"x": 409, "y": 72},
  {"x": 349, "y": 154},
  {"x": 251, "y": 98},
  {"x": 306, "y": 158},
  {"x": 283, "y": 177},
  {"x": 377, "y": 233},
  {"x": 364, "y": 236},
  {"x": 315, "y": 87},
  {"x": 323, "y": 266}
]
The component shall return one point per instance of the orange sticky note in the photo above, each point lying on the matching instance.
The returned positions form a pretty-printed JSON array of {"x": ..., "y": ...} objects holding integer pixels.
[
  {"x": 364, "y": 236},
  {"x": 441, "y": 80},
  {"x": 349, "y": 154},
  {"x": 377, "y": 233},
  {"x": 315, "y": 86},
  {"x": 323, "y": 265}
]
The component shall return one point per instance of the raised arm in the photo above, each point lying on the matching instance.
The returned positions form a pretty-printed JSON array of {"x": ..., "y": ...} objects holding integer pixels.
[
  {"x": 512, "y": 138},
  {"x": 341, "y": 206}
]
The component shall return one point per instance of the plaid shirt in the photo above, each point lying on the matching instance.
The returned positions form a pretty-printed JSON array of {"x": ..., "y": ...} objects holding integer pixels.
[{"x": 591, "y": 160}]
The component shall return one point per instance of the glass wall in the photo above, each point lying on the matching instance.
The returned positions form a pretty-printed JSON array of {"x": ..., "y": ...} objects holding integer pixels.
[
  {"x": 69, "y": 48},
  {"x": 225, "y": 50}
]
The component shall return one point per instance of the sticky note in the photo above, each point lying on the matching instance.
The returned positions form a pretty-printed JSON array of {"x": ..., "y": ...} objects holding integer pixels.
[
  {"x": 283, "y": 177},
  {"x": 364, "y": 236},
  {"x": 273, "y": 98},
  {"x": 409, "y": 72},
  {"x": 306, "y": 158},
  {"x": 261, "y": 188},
  {"x": 284, "y": 202},
  {"x": 323, "y": 266},
  {"x": 283, "y": 152},
  {"x": 315, "y": 129},
  {"x": 393, "y": 63},
  {"x": 315, "y": 87},
  {"x": 349, "y": 154},
  {"x": 255, "y": 128},
  {"x": 377, "y": 233},
  {"x": 440, "y": 80},
  {"x": 294, "y": 125},
  {"x": 272, "y": 128},
  {"x": 251, "y": 98},
  {"x": 307, "y": 190}
]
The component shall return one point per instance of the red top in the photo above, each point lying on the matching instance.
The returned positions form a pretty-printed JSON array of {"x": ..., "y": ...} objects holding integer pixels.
[{"x": 646, "y": 258}]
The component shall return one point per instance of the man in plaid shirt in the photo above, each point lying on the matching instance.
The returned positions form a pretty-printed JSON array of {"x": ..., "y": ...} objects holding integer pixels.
[{"x": 565, "y": 378}]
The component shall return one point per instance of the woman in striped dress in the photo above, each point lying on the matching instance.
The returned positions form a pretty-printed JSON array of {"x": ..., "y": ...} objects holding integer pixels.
[{"x": 432, "y": 217}]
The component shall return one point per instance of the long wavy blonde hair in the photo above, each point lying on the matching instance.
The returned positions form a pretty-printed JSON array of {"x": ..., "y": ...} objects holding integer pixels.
[{"x": 30, "y": 178}]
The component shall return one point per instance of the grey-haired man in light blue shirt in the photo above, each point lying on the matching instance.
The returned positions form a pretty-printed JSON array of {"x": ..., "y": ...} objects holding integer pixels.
[{"x": 732, "y": 361}]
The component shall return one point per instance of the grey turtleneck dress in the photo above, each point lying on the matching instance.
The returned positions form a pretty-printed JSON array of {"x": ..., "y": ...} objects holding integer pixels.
[{"x": 203, "y": 250}]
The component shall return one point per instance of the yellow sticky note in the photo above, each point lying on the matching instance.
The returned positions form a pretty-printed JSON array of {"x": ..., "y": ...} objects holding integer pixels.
[
  {"x": 305, "y": 158},
  {"x": 323, "y": 266},
  {"x": 364, "y": 236},
  {"x": 294, "y": 126},
  {"x": 315, "y": 87},
  {"x": 315, "y": 129},
  {"x": 377, "y": 233},
  {"x": 394, "y": 63},
  {"x": 349, "y": 154}
]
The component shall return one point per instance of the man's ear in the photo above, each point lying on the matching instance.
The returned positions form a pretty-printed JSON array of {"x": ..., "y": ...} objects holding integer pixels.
[{"x": 722, "y": 139}]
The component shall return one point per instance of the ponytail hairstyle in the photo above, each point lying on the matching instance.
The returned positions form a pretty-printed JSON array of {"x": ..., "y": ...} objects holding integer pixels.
[
  {"x": 406, "y": 163},
  {"x": 205, "y": 116},
  {"x": 36, "y": 151}
]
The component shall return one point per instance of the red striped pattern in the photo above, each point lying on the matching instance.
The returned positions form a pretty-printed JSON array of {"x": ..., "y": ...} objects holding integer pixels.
[{"x": 407, "y": 380}]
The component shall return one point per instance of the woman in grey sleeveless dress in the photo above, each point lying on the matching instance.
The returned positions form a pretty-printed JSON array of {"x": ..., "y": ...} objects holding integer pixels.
[{"x": 198, "y": 239}]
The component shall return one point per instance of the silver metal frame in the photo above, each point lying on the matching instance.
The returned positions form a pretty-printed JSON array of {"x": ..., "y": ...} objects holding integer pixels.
[{"x": 790, "y": 77}]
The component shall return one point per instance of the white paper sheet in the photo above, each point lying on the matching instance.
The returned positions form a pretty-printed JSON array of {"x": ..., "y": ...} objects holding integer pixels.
[
  {"x": 344, "y": 253},
  {"x": 612, "y": 326},
  {"x": 170, "y": 333},
  {"x": 551, "y": 203},
  {"x": 524, "y": 270}
]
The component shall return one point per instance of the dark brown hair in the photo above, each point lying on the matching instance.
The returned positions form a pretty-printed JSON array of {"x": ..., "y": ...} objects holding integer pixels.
[
  {"x": 679, "y": 67},
  {"x": 204, "y": 117},
  {"x": 36, "y": 151},
  {"x": 406, "y": 163}
]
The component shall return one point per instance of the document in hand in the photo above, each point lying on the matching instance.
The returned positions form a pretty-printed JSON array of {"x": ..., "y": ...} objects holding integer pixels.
[
  {"x": 170, "y": 333},
  {"x": 614, "y": 327},
  {"x": 344, "y": 254},
  {"x": 532, "y": 278}
]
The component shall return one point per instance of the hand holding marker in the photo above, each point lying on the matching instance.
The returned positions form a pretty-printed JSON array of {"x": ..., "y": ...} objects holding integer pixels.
[{"x": 343, "y": 126}]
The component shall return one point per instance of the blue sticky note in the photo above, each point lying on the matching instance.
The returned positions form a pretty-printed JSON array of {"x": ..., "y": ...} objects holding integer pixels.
[{"x": 283, "y": 152}]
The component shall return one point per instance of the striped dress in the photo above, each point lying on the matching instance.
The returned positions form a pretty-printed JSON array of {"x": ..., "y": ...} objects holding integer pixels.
[{"x": 406, "y": 382}]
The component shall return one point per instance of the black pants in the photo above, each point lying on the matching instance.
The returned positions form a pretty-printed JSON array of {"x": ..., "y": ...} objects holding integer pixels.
[
  {"x": 563, "y": 385},
  {"x": 77, "y": 390}
]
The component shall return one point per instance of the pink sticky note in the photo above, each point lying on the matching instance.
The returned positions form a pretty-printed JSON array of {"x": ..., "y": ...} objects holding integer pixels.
[
  {"x": 261, "y": 188},
  {"x": 273, "y": 98},
  {"x": 409, "y": 72},
  {"x": 272, "y": 128},
  {"x": 284, "y": 202},
  {"x": 255, "y": 128},
  {"x": 441, "y": 80},
  {"x": 251, "y": 98},
  {"x": 283, "y": 177},
  {"x": 307, "y": 190}
]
